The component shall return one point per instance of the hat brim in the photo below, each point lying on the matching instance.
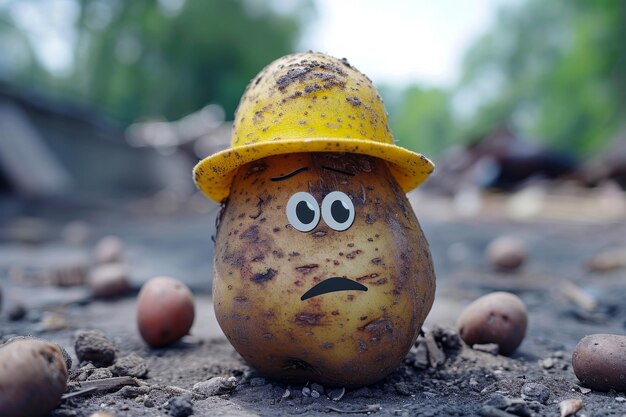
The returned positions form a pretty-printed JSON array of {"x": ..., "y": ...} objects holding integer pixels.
[{"x": 214, "y": 174}]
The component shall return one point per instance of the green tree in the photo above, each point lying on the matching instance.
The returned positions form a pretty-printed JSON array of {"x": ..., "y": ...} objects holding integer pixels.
[
  {"x": 421, "y": 120},
  {"x": 171, "y": 57},
  {"x": 555, "y": 70}
]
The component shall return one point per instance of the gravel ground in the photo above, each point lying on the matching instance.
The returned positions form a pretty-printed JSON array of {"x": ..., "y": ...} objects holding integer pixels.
[{"x": 456, "y": 380}]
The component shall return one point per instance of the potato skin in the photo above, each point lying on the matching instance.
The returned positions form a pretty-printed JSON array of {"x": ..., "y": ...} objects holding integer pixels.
[
  {"x": 33, "y": 376},
  {"x": 599, "y": 361},
  {"x": 263, "y": 265},
  {"x": 165, "y": 311},
  {"x": 499, "y": 317}
]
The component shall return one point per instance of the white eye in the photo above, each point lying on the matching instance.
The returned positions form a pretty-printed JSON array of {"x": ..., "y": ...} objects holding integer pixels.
[
  {"x": 303, "y": 212},
  {"x": 338, "y": 210}
]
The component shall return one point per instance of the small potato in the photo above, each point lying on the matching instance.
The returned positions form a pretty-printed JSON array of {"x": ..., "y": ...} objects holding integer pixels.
[
  {"x": 506, "y": 253},
  {"x": 599, "y": 361},
  {"x": 109, "y": 249},
  {"x": 109, "y": 280},
  {"x": 33, "y": 376},
  {"x": 165, "y": 311},
  {"x": 499, "y": 318}
]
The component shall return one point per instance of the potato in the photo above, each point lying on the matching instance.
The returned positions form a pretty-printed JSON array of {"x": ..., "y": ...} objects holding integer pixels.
[
  {"x": 165, "y": 311},
  {"x": 33, "y": 376},
  {"x": 599, "y": 361},
  {"x": 286, "y": 238},
  {"x": 109, "y": 280},
  {"x": 499, "y": 317},
  {"x": 506, "y": 253}
]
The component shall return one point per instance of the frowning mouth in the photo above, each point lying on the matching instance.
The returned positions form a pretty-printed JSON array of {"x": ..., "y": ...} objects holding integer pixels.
[{"x": 331, "y": 285}]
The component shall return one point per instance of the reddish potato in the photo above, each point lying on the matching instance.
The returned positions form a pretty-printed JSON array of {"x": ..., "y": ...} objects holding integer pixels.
[
  {"x": 499, "y": 318},
  {"x": 165, "y": 311},
  {"x": 599, "y": 361},
  {"x": 506, "y": 253},
  {"x": 33, "y": 377}
]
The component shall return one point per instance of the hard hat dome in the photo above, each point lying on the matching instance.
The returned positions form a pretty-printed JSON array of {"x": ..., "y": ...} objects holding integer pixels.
[{"x": 309, "y": 102}]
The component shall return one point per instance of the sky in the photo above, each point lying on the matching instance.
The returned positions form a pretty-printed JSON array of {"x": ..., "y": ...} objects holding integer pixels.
[{"x": 402, "y": 41}]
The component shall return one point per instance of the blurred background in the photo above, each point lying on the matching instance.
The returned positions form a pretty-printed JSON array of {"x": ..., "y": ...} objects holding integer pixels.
[{"x": 106, "y": 105}]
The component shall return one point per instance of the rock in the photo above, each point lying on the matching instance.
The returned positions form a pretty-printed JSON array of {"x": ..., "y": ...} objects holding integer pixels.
[
  {"x": 317, "y": 387},
  {"x": 258, "y": 382},
  {"x": 497, "y": 400},
  {"x": 131, "y": 365},
  {"x": 436, "y": 357},
  {"x": 109, "y": 280},
  {"x": 489, "y": 411},
  {"x": 570, "y": 406},
  {"x": 218, "y": 385},
  {"x": 519, "y": 408},
  {"x": 306, "y": 392},
  {"x": 315, "y": 394},
  {"x": 421, "y": 355},
  {"x": 533, "y": 391},
  {"x": 336, "y": 394},
  {"x": 17, "y": 312},
  {"x": 100, "y": 373},
  {"x": 448, "y": 338},
  {"x": 491, "y": 348},
  {"x": 132, "y": 392},
  {"x": 180, "y": 406},
  {"x": 402, "y": 388},
  {"x": 109, "y": 249},
  {"x": 93, "y": 346}
]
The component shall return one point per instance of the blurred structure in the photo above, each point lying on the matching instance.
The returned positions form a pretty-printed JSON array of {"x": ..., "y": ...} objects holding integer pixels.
[
  {"x": 501, "y": 160},
  {"x": 53, "y": 147},
  {"x": 610, "y": 165}
]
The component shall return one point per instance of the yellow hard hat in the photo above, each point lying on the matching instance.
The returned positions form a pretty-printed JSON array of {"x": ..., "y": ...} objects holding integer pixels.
[{"x": 309, "y": 102}]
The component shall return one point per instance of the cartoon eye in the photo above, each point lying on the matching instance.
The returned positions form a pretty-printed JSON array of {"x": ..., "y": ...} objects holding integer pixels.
[
  {"x": 338, "y": 210},
  {"x": 303, "y": 212}
]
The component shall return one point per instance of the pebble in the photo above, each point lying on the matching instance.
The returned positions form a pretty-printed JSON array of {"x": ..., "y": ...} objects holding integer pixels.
[
  {"x": 570, "y": 406},
  {"x": 317, "y": 387},
  {"x": 258, "y": 382},
  {"x": 497, "y": 400},
  {"x": 306, "y": 391},
  {"x": 336, "y": 394},
  {"x": 109, "y": 280},
  {"x": 109, "y": 249},
  {"x": 402, "y": 388},
  {"x": 421, "y": 356},
  {"x": 436, "y": 357},
  {"x": 489, "y": 411},
  {"x": 93, "y": 346},
  {"x": 99, "y": 373},
  {"x": 17, "y": 312},
  {"x": 315, "y": 394},
  {"x": 491, "y": 348},
  {"x": 218, "y": 385},
  {"x": 533, "y": 391},
  {"x": 180, "y": 406},
  {"x": 132, "y": 392},
  {"x": 130, "y": 365},
  {"x": 519, "y": 408}
]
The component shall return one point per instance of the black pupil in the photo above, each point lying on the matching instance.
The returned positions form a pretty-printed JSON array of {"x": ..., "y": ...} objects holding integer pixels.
[
  {"x": 339, "y": 212},
  {"x": 304, "y": 212}
]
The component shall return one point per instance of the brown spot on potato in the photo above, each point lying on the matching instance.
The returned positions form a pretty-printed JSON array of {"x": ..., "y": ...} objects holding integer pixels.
[
  {"x": 378, "y": 328},
  {"x": 261, "y": 277},
  {"x": 305, "y": 269},
  {"x": 328, "y": 345},
  {"x": 309, "y": 319}
]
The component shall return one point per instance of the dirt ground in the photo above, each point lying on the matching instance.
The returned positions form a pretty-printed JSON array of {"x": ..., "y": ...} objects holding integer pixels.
[{"x": 175, "y": 240}]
